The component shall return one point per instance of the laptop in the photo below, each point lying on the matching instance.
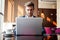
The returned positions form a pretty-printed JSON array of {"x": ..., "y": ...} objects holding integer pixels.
[{"x": 28, "y": 27}]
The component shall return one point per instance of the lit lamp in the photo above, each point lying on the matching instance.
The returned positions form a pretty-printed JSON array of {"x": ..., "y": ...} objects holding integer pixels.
[{"x": 42, "y": 15}]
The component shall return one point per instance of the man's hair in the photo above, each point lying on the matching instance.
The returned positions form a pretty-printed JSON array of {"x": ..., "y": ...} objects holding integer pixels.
[{"x": 29, "y": 4}]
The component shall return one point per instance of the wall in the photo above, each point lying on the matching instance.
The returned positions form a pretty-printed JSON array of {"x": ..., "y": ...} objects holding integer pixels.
[
  {"x": 1, "y": 16},
  {"x": 58, "y": 13},
  {"x": 58, "y": 16},
  {"x": 42, "y": 4}
]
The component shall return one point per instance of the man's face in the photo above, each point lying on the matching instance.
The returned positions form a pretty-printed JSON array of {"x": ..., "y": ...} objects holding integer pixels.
[{"x": 29, "y": 10}]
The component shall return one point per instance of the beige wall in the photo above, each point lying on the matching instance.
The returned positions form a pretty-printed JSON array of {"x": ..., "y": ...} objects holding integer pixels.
[
  {"x": 58, "y": 16},
  {"x": 42, "y": 4},
  {"x": 58, "y": 13}
]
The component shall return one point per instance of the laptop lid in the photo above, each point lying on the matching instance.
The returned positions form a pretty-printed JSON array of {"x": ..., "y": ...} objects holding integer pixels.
[{"x": 29, "y": 26}]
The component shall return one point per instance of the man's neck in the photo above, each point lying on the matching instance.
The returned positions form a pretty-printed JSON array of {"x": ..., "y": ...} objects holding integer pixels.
[{"x": 29, "y": 16}]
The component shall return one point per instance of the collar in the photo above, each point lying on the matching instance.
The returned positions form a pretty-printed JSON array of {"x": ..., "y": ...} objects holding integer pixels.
[{"x": 27, "y": 16}]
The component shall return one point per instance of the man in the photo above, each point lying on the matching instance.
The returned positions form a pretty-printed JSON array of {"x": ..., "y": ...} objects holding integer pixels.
[{"x": 29, "y": 9}]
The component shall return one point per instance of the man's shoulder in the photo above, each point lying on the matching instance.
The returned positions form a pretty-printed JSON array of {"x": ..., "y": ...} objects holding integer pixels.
[
  {"x": 34, "y": 16},
  {"x": 21, "y": 16}
]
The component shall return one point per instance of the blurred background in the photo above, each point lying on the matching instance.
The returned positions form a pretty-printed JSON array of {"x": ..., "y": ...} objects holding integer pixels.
[{"x": 10, "y": 9}]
